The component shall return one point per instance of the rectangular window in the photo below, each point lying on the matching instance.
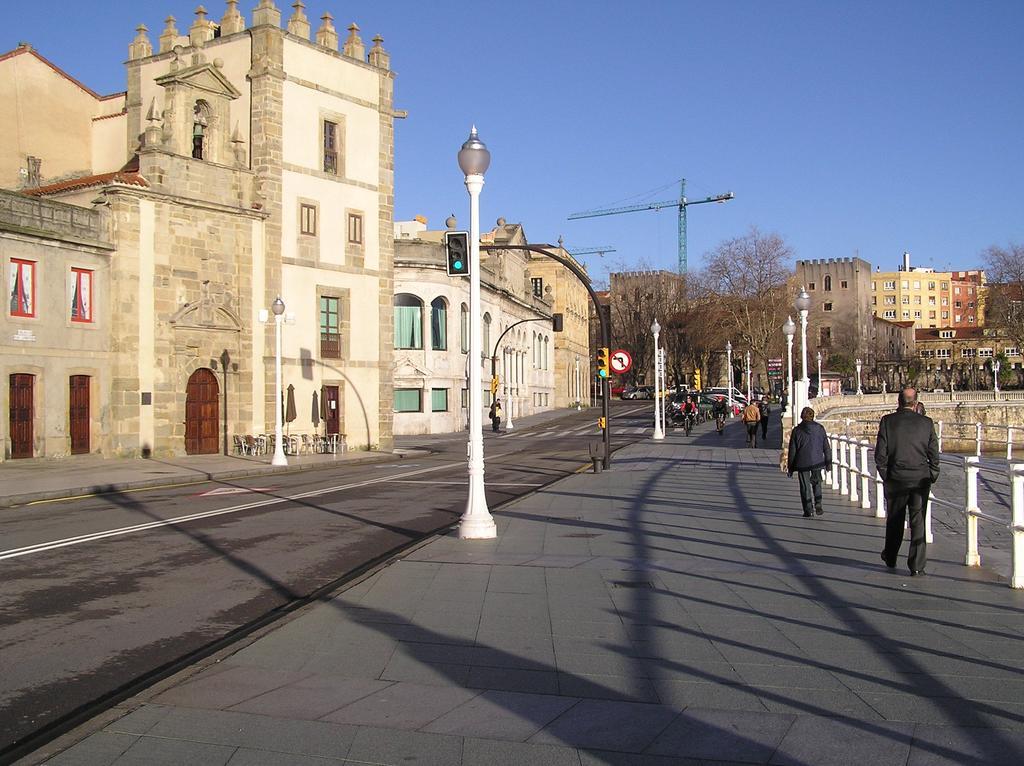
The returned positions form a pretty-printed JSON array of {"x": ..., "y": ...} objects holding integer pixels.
[
  {"x": 844, "y": 284},
  {"x": 330, "y": 328},
  {"x": 824, "y": 336},
  {"x": 945, "y": 315},
  {"x": 408, "y": 399},
  {"x": 945, "y": 301},
  {"x": 906, "y": 315},
  {"x": 931, "y": 315},
  {"x": 890, "y": 286},
  {"x": 966, "y": 352},
  {"x": 956, "y": 291},
  {"x": 890, "y": 314},
  {"x": 827, "y": 307},
  {"x": 942, "y": 353},
  {"x": 355, "y": 229},
  {"x": 917, "y": 300},
  {"x": 1011, "y": 351},
  {"x": 81, "y": 295},
  {"x": 905, "y": 300},
  {"x": 439, "y": 400},
  {"x": 538, "y": 286},
  {"x": 944, "y": 286},
  {"x": 931, "y": 285},
  {"x": 810, "y": 285},
  {"x": 890, "y": 300},
  {"x": 905, "y": 284},
  {"x": 970, "y": 304},
  {"x": 464, "y": 398},
  {"x": 330, "y": 147},
  {"x": 958, "y": 305},
  {"x": 957, "y": 319},
  {"x": 874, "y": 285},
  {"x": 874, "y": 300},
  {"x": 307, "y": 219},
  {"x": 917, "y": 284},
  {"x": 946, "y": 333},
  {"x": 931, "y": 300},
  {"x": 917, "y": 315},
  {"x": 23, "y": 288},
  {"x": 985, "y": 353}
]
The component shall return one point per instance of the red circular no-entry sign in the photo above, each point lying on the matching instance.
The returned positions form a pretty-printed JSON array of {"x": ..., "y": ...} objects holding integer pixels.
[{"x": 620, "y": 362}]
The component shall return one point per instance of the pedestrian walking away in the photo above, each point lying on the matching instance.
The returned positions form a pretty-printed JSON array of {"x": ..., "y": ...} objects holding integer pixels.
[
  {"x": 766, "y": 410},
  {"x": 809, "y": 454},
  {"x": 907, "y": 458},
  {"x": 751, "y": 417},
  {"x": 495, "y": 415}
]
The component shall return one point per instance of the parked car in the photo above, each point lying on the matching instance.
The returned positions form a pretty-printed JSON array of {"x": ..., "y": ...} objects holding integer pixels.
[{"x": 639, "y": 392}]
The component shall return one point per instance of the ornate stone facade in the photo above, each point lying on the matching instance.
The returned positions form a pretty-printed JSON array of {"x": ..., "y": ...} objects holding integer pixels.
[{"x": 252, "y": 163}]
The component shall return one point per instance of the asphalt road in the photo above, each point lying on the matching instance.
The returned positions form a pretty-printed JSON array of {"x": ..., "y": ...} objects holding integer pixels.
[{"x": 101, "y": 591}]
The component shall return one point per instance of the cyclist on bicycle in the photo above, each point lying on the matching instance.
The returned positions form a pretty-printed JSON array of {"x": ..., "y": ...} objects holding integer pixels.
[
  {"x": 719, "y": 409},
  {"x": 689, "y": 411}
]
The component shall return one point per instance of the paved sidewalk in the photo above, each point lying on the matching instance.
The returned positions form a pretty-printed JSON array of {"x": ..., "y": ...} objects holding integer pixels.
[{"x": 677, "y": 609}]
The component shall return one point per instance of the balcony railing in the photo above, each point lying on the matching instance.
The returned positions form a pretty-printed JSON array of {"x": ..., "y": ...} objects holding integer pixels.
[{"x": 330, "y": 345}]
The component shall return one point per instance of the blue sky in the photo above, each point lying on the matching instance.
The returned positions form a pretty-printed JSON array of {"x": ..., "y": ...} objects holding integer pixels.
[{"x": 847, "y": 127}]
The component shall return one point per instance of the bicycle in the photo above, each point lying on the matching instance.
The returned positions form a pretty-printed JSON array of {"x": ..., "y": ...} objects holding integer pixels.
[{"x": 688, "y": 422}]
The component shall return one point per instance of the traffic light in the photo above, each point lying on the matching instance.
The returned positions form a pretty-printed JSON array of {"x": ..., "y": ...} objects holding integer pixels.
[
  {"x": 494, "y": 386},
  {"x": 696, "y": 378},
  {"x": 602, "y": 423},
  {"x": 456, "y": 245},
  {"x": 602, "y": 363}
]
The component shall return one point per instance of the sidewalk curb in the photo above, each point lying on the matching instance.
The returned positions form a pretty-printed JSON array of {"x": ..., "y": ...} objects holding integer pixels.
[{"x": 200, "y": 477}]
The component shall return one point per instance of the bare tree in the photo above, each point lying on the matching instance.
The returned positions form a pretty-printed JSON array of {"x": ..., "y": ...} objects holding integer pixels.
[
  {"x": 637, "y": 298},
  {"x": 749, "y": 276},
  {"x": 1004, "y": 304}
]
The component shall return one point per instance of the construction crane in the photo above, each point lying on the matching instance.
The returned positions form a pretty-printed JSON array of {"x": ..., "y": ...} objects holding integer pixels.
[{"x": 682, "y": 203}]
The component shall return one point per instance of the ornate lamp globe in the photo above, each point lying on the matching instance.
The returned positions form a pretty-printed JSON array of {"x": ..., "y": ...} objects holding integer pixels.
[
  {"x": 789, "y": 329},
  {"x": 803, "y": 300},
  {"x": 474, "y": 159},
  {"x": 655, "y": 327},
  {"x": 277, "y": 306}
]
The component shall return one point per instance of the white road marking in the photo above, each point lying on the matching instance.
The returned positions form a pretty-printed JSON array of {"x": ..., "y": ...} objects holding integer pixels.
[
  {"x": 464, "y": 483},
  {"x": 234, "y": 491},
  {"x": 42, "y": 547}
]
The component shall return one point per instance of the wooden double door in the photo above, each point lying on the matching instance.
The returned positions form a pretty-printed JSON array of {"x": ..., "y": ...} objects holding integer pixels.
[
  {"x": 79, "y": 420},
  {"x": 202, "y": 397},
  {"x": 332, "y": 410}
]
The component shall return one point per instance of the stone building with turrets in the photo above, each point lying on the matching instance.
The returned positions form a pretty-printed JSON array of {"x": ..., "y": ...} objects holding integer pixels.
[{"x": 243, "y": 161}]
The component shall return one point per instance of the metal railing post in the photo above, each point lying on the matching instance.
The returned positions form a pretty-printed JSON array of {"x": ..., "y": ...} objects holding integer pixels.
[
  {"x": 977, "y": 439},
  {"x": 865, "y": 493},
  {"x": 1009, "y": 442},
  {"x": 835, "y": 462},
  {"x": 1016, "y": 472},
  {"x": 851, "y": 448},
  {"x": 879, "y": 496},
  {"x": 940, "y": 436},
  {"x": 971, "y": 509},
  {"x": 843, "y": 469}
]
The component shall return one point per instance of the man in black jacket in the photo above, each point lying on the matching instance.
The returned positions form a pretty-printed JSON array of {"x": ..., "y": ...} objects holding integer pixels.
[
  {"x": 907, "y": 457},
  {"x": 809, "y": 453}
]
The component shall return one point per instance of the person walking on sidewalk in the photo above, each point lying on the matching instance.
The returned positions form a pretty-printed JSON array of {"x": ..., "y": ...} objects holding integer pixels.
[
  {"x": 809, "y": 454},
  {"x": 765, "y": 410},
  {"x": 907, "y": 458},
  {"x": 751, "y": 417},
  {"x": 495, "y": 415}
]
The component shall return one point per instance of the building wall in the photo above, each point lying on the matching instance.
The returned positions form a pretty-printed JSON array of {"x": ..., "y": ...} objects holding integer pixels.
[
  {"x": 933, "y": 294},
  {"x": 526, "y": 379},
  {"x": 46, "y": 115},
  {"x": 50, "y": 345},
  {"x": 572, "y": 345},
  {"x": 840, "y": 293}
]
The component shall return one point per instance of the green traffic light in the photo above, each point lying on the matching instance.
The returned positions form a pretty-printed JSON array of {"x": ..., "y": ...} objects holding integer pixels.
[{"x": 603, "y": 373}]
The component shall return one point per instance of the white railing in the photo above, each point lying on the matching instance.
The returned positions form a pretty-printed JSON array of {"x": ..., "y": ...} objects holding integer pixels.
[
  {"x": 982, "y": 435},
  {"x": 852, "y": 476}
]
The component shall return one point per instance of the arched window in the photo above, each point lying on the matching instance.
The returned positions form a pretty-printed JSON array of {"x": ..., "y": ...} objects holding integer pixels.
[
  {"x": 200, "y": 123},
  {"x": 486, "y": 350},
  {"x": 439, "y": 324},
  {"x": 828, "y": 284},
  {"x": 547, "y": 358},
  {"x": 464, "y": 328},
  {"x": 408, "y": 321}
]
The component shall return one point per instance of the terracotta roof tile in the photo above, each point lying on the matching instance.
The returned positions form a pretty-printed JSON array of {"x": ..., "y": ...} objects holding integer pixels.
[{"x": 84, "y": 182}]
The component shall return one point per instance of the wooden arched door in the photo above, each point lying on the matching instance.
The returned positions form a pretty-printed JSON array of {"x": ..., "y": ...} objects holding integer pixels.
[{"x": 201, "y": 418}]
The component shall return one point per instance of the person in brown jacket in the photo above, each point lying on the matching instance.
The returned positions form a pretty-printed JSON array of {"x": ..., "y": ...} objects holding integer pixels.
[{"x": 751, "y": 417}]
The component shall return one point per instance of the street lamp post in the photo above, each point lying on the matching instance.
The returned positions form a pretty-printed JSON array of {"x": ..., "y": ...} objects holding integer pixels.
[
  {"x": 279, "y": 459},
  {"x": 664, "y": 389},
  {"x": 860, "y": 390},
  {"x": 789, "y": 330},
  {"x": 749, "y": 392},
  {"x": 819, "y": 373},
  {"x": 995, "y": 375},
  {"x": 803, "y": 304},
  {"x": 476, "y": 522},
  {"x": 576, "y": 385},
  {"x": 658, "y": 432},
  {"x": 728, "y": 372}
]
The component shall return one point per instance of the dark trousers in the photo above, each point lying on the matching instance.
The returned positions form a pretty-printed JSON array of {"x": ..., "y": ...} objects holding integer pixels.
[
  {"x": 752, "y": 434},
  {"x": 495, "y": 424},
  {"x": 764, "y": 428},
  {"x": 810, "y": 490},
  {"x": 899, "y": 499}
]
